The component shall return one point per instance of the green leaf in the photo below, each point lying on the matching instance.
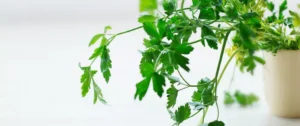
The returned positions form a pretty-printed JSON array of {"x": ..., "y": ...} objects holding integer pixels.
[
  {"x": 169, "y": 62},
  {"x": 205, "y": 3},
  {"x": 151, "y": 30},
  {"x": 244, "y": 99},
  {"x": 172, "y": 79},
  {"x": 162, "y": 27},
  {"x": 207, "y": 13},
  {"x": 95, "y": 39},
  {"x": 182, "y": 61},
  {"x": 260, "y": 60},
  {"x": 229, "y": 99},
  {"x": 172, "y": 115},
  {"x": 169, "y": 6},
  {"x": 271, "y": 6},
  {"x": 206, "y": 31},
  {"x": 86, "y": 79},
  {"x": 216, "y": 123},
  {"x": 184, "y": 48},
  {"x": 182, "y": 113},
  {"x": 105, "y": 64},
  {"x": 246, "y": 35},
  {"x": 296, "y": 19},
  {"x": 104, "y": 41},
  {"x": 97, "y": 53},
  {"x": 146, "y": 18},
  {"x": 142, "y": 88},
  {"x": 196, "y": 2},
  {"x": 252, "y": 19},
  {"x": 232, "y": 12},
  {"x": 146, "y": 69},
  {"x": 197, "y": 105},
  {"x": 172, "y": 96},
  {"x": 98, "y": 94},
  {"x": 282, "y": 8},
  {"x": 208, "y": 97},
  {"x": 107, "y": 28},
  {"x": 148, "y": 5},
  {"x": 272, "y": 18},
  {"x": 158, "y": 83},
  {"x": 197, "y": 96}
]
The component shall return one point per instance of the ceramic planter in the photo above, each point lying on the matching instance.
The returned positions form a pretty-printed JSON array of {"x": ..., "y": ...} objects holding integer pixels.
[{"x": 282, "y": 83}]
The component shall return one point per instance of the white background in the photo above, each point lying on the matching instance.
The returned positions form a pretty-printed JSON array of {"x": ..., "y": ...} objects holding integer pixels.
[{"x": 42, "y": 42}]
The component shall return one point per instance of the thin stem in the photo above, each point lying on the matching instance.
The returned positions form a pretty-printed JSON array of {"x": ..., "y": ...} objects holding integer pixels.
[
  {"x": 183, "y": 88},
  {"x": 225, "y": 67},
  {"x": 218, "y": 69},
  {"x": 124, "y": 32},
  {"x": 193, "y": 115},
  {"x": 157, "y": 60},
  {"x": 94, "y": 60},
  {"x": 183, "y": 78},
  {"x": 203, "y": 116},
  {"x": 232, "y": 78},
  {"x": 183, "y": 13},
  {"x": 194, "y": 42}
]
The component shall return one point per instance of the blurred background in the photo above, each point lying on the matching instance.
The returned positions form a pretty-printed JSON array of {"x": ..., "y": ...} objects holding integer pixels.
[{"x": 42, "y": 42}]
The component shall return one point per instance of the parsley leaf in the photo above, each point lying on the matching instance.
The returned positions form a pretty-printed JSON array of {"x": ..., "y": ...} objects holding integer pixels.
[
  {"x": 97, "y": 52},
  {"x": 142, "y": 88},
  {"x": 182, "y": 61},
  {"x": 182, "y": 113},
  {"x": 282, "y": 8},
  {"x": 169, "y": 6},
  {"x": 146, "y": 69},
  {"x": 146, "y": 18},
  {"x": 151, "y": 30},
  {"x": 95, "y": 39},
  {"x": 172, "y": 96},
  {"x": 245, "y": 99},
  {"x": 184, "y": 48},
  {"x": 216, "y": 123},
  {"x": 98, "y": 94},
  {"x": 229, "y": 99},
  {"x": 105, "y": 63},
  {"x": 196, "y": 96},
  {"x": 206, "y": 31},
  {"x": 158, "y": 83},
  {"x": 86, "y": 79},
  {"x": 207, "y": 13},
  {"x": 148, "y": 5}
]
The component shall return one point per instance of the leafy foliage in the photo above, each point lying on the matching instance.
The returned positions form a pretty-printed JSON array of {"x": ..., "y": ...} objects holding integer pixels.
[
  {"x": 244, "y": 99},
  {"x": 182, "y": 113},
  {"x": 241, "y": 98},
  {"x": 169, "y": 43},
  {"x": 228, "y": 99},
  {"x": 172, "y": 96}
]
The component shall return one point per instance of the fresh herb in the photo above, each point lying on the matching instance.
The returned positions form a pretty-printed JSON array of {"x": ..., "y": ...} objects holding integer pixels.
[
  {"x": 168, "y": 44},
  {"x": 241, "y": 98}
]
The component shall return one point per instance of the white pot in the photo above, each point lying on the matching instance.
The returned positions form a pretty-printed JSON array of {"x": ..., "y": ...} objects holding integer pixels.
[{"x": 282, "y": 83}]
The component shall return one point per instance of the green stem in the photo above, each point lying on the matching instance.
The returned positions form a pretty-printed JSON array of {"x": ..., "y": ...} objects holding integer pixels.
[
  {"x": 183, "y": 13},
  {"x": 203, "y": 116},
  {"x": 183, "y": 78},
  {"x": 225, "y": 67},
  {"x": 157, "y": 60},
  {"x": 194, "y": 42},
  {"x": 124, "y": 32},
  {"x": 218, "y": 69},
  {"x": 193, "y": 115}
]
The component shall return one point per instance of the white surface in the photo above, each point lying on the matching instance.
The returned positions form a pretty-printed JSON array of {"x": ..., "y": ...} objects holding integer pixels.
[{"x": 39, "y": 77}]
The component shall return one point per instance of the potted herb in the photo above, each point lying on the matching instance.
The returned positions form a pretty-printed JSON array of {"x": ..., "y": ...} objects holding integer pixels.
[
  {"x": 280, "y": 41},
  {"x": 169, "y": 43}
]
